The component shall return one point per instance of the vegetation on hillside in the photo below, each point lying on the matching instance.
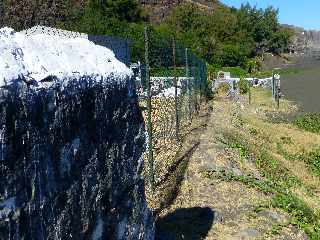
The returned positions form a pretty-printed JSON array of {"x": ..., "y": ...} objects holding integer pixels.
[
  {"x": 230, "y": 37},
  {"x": 222, "y": 37},
  {"x": 25, "y": 14},
  {"x": 309, "y": 122},
  {"x": 286, "y": 157},
  {"x": 256, "y": 169}
]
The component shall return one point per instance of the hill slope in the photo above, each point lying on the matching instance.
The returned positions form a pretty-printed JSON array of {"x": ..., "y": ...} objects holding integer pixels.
[
  {"x": 254, "y": 175},
  {"x": 157, "y": 11},
  {"x": 28, "y": 13},
  {"x": 304, "y": 39}
]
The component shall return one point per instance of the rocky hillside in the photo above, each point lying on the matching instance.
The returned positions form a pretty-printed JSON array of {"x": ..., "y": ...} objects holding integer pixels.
[
  {"x": 311, "y": 38},
  {"x": 305, "y": 39},
  {"x": 25, "y": 14},
  {"x": 159, "y": 9}
]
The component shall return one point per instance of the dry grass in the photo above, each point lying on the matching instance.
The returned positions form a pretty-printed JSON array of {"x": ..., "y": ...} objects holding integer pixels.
[
  {"x": 282, "y": 141},
  {"x": 280, "y": 138},
  {"x": 261, "y": 99},
  {"x": 236, "y": 135}
]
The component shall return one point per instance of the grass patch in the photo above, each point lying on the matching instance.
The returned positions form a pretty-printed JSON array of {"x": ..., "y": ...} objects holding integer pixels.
[
  {"x": 309, "y": 122},
  {"x": 295, "y": 206},
  {"x": 274, "y": 171},
  {"x": 301, "y": 215},
  {"x": 285, "y": 71},
  {"x": 235, "y": 71},
  {"x": 312, "y": 159},
  {"x": 284, "y": 158},
  {"x": 243, "y": 151},
  {"x": 263, "y": 185},
  {"x": 268, "y": 166},
  {"x": 278, "y": 182},
  {"x": 277, "y": 228}
]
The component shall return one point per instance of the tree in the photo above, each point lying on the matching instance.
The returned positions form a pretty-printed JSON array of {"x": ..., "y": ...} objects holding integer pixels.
[
  {"x": 124, "y": 10},
  {"x": 229, "y": 37},
  {"x": 259, "y": 24},
  {"x": 281, "y": 40}
]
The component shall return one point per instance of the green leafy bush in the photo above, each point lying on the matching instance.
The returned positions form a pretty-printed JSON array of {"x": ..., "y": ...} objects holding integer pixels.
[
  {"x": 313, "y": 160},
  {"x": 303, "y": 214},
  {"x": 223, "y": 88},
  {"x": 253, "y": 65},
  {"x": 309, "y": 122},
  {"x": 243, "y": 86}
]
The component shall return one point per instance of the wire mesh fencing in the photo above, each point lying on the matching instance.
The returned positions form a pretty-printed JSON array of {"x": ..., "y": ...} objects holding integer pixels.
[{"x": 171, "y": 86}]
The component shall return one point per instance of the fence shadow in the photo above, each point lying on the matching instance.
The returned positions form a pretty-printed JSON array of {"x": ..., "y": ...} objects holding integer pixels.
[
  {"x": 185, "y": 223},
  {"x": 169, "y": 188},
  {"x": 173, "y": 168}
]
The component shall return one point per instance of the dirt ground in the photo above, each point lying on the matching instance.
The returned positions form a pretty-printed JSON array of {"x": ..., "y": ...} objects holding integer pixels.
[{"x": 212, "y": 208}]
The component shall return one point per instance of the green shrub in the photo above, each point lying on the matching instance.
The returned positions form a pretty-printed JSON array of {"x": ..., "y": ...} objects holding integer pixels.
[
  {"x": 313, "y": 160},
  {"x": 243, "y": 86},
  {"x": 223, "y": 88},
  {"x": 253, "y": 65},
  {"x": 309, "y": 122},
  {"x": 303, "y": 214}
]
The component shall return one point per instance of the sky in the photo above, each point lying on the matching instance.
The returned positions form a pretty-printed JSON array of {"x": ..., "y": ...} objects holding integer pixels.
[{"x": 301, "y": 13}]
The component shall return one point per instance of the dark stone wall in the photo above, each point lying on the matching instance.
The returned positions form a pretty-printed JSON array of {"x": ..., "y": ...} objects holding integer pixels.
[{"x": 70, "y": 163}]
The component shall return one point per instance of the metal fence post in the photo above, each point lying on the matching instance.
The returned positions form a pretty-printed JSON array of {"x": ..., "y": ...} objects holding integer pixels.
[
  {"x": 149, "y": 119},
  {"x": 249, "y": 90},
  {"x": 188, "y": 86},
  {"x": 278, "y": 93},
  {"x": 175, "y": 81},
  {"x": 195, "y": 90},
  {"x": 273, "y": 86}
]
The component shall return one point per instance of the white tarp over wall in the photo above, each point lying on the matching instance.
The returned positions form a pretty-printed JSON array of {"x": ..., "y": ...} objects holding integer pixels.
[{"x": 37, "y": 56}]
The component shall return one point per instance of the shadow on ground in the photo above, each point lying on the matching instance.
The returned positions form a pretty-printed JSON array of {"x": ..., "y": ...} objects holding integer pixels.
[
  {"x": 185, "y": 223},
  {"x": 170, "y": 186}
]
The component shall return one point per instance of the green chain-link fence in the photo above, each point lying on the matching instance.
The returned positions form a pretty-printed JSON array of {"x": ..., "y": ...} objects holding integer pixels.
[{"x": 172, "y": 84}]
